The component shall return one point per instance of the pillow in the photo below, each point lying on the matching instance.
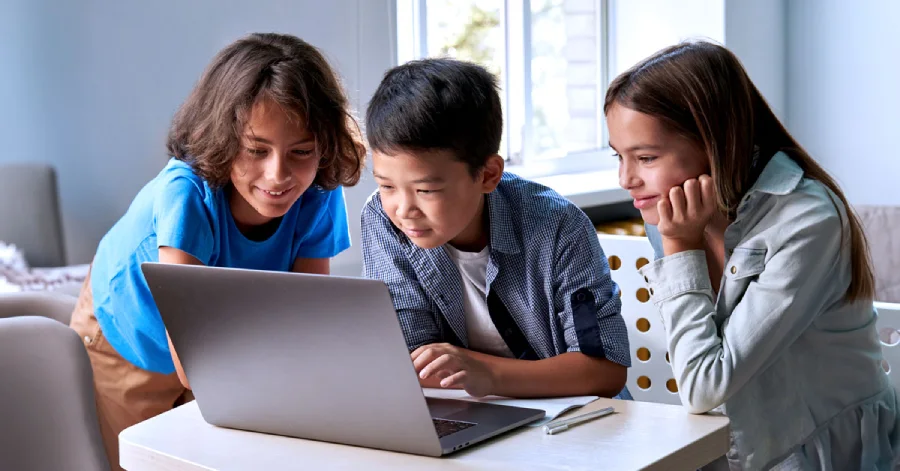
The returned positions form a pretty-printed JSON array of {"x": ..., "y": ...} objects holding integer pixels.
[{"x": 16, "y": 275}]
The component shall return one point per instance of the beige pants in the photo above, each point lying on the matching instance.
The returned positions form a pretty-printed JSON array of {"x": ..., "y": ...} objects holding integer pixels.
[{"x": 125, "y": 393}]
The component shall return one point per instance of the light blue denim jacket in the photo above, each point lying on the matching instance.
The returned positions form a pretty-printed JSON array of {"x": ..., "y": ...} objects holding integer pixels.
[{"x": 797, "y": 369}]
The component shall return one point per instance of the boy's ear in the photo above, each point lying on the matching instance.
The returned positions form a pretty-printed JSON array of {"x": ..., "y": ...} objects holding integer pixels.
[{"x": 492, "y": 172}]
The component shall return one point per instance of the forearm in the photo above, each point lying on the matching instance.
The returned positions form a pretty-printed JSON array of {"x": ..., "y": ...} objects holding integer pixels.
[
  {"x": 315, "y": 266},
  {"x": 176, "y": 256},
  {"x": 569, "y": 374},
  {"x": 674, "y": 246},
  {"x": 179, "y": 370}
]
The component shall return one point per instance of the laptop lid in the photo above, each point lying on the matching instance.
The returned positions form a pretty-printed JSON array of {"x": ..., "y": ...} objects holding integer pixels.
[{"x": 310, "y": 356}]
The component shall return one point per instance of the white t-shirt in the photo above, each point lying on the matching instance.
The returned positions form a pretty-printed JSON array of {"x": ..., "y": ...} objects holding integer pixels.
[{"x": 483, "y": 335}]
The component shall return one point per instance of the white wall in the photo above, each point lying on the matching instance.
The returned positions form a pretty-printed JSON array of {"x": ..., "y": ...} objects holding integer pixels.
[
  {"x": 844, "y": 92},
  {"x": 753, "y": 29},
  {"x": 91, "y": 86},
  {"x": 755, "y": 32},
  {"x": 640, "y": 28}
]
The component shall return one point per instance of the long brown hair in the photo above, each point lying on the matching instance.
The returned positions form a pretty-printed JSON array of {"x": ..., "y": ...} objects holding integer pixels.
[
  {"x": 206, "y": 130},
  {"x": 701, "y": 91}
]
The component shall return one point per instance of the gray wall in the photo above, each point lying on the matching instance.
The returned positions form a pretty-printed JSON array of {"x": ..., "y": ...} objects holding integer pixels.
[
  {"x": 91, "y": 86},
  {"x": 844, "y": 91}
]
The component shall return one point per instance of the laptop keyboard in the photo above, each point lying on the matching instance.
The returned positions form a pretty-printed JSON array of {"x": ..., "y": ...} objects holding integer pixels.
[{"x": 446, "y": 427}]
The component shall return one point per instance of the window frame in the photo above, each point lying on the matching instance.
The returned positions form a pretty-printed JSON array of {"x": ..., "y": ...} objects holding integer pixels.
[{"x": 411, "y": 41}]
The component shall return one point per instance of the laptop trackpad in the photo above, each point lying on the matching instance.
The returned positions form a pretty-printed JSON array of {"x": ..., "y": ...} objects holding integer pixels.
[{"x": 446, "y": 408}]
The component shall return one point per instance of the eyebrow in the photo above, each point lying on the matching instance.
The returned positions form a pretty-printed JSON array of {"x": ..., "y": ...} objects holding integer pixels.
[
  {"x": 419, "y": 181},
  {"x": 429, "y": 180},
  {"x": 266, "y": 141},
  {"x": 636, "y": 147}
]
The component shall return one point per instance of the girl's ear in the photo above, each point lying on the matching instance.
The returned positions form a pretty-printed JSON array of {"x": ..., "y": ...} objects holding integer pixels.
[{"x": 492, "y": 172}]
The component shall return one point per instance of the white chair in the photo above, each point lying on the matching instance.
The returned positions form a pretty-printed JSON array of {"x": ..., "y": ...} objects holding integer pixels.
[
  {"x": 650, "y": 377},
  {"x": 888, "y": 324}
]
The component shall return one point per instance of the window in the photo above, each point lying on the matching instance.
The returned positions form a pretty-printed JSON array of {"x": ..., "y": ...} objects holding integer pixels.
[{"x": 554, "y": 59}]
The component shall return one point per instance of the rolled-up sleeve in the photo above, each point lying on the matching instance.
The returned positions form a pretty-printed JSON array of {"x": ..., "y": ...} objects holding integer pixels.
[
  {"x": 778, "y": 305},
  {"x": 586, "y": 299}
]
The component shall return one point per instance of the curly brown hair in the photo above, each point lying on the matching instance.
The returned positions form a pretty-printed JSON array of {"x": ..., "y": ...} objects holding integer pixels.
[{"x": 206, "y": 130}]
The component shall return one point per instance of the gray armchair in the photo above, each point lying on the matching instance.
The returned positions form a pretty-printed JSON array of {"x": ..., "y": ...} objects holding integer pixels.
[
  {"x": 30, "y": 214},
  {"x": 882, "y": 226},
  {"x": 51, "y": 304},
  {"x": 47, "y": 404}
]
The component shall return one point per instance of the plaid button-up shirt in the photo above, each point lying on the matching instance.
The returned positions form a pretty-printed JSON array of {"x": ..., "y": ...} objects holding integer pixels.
[{"x": 545, "y": 265}]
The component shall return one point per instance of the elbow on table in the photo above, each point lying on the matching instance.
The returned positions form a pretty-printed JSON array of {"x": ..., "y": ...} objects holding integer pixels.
[
  {"x": 700, "y": 403},
  {"x": 605, "y": 378},
  {"x": 614, "y": 382}
]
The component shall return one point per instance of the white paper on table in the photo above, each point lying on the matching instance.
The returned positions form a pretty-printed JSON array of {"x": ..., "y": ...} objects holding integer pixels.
[{"x": 552, "y": 406}]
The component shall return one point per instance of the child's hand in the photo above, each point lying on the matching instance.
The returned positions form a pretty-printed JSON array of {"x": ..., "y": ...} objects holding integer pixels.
[
  {"x": 454, "y": 367},
  {"x": 685, "y": 213}
]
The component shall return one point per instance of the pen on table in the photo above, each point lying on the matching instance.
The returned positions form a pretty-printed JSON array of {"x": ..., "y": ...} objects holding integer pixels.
[{"x": 557, "y": 426}]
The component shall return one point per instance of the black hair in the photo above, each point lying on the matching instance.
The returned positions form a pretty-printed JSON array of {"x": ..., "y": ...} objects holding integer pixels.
[{"x": 434, "y": 105}]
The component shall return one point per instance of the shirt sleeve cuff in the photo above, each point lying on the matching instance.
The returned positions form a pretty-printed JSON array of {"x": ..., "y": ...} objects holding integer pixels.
[
  {"x": 684, "y": 272},
  {"x": 615, "y": 344}
]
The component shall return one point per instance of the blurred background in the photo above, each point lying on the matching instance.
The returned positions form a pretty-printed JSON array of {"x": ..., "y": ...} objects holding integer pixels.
[{"x": 90, "y": 87}]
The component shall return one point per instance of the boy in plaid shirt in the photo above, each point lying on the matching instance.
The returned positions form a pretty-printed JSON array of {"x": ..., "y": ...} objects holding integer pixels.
[{"x": 500, "y": 283}]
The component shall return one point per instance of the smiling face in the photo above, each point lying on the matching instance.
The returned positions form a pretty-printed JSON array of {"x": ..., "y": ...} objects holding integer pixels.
[
  {"x": 433, "y": 198},
  {"x": 652, "y": 158},
  {"x": 276, "y": 164}
]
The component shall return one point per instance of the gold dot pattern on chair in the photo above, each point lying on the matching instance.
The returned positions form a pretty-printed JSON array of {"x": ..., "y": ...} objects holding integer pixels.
[
  {"x": 643, "y": 295},
  {"x": 650, "y": 369},
  {"x": 643, "y": 324},
  {"x": 615, "y": 263},
  {"x": 643, "y": 354},
  {"x": 667, "y": 358},
  {"x": 643, "y": 382},
  {"x": 889, "y": 336},
  {"x": 672, "y": 386},
  {"x": 887, "y": 324}
]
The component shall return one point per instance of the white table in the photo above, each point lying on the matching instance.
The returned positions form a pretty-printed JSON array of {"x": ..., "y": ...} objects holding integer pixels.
[{"x": 641, "y": 435}]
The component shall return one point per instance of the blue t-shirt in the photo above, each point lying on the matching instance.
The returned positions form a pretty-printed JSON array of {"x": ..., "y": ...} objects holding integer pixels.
[{"x": 178, "y": 209}]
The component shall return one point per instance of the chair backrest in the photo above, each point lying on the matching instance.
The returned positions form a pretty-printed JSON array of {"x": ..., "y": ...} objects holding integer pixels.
[
  {"x": 47, "y": 408},
  {"x": 881, "y": 224},
  {"x": 29, "y": 213},
  {"x": 650, "y": 377},
  {"x": 50, "y": 304},
  {"x": 888, "y": 324}
]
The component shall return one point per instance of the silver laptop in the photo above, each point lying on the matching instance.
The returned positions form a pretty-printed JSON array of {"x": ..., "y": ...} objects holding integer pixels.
[{"x": 310, "y": 356}]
